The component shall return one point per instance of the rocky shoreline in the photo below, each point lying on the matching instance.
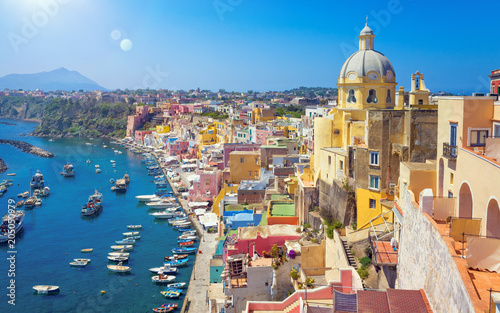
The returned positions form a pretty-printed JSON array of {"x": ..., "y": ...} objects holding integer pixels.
[
  {"x": 26, "y": 147},
  {"x": 7, "y": 123},
  {"x": 3, "y": 167}
]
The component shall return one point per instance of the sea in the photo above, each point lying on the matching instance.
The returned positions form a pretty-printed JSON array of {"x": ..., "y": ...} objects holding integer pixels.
[{"x": 55, "y": 232}]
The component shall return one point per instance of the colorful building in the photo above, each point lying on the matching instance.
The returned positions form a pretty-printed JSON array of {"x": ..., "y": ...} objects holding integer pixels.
[
  {"x": 244, "y": 165},
  {"x": 495, "y": 82}
]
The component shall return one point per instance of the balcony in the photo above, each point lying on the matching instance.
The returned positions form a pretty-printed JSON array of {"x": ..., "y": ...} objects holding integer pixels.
[{"x": 449, "y": 151}]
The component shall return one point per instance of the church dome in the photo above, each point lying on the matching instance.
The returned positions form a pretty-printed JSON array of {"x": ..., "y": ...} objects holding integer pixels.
[
  {"x": 366, "y": 30},
  {"x": 364, "y": 61}
]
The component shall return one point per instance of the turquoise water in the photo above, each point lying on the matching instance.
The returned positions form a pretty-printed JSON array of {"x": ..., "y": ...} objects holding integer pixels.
[{"x": 54, "y": 233}]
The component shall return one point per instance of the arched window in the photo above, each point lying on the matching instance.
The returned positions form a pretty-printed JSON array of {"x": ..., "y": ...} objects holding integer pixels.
[
  {"x": 372, "y": 96},
  {"x": 352, "y": 98},
  {"x": 389, "y": 98}
]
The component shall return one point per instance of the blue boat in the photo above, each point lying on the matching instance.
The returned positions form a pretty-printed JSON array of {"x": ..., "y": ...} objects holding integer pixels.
[
  {"x": 184, "y": 229},
  {"x": 184, "y": 250},
  {"x": 172, "y": 293},
  {"x": 177, "y": 263}
]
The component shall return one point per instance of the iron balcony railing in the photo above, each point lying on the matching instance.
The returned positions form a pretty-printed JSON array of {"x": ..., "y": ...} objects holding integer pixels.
[{"x": 449, "y": 151}]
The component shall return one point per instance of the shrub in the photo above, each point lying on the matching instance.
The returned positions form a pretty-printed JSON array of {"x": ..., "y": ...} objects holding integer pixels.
[
  {"x": 309, "y": 283},
  {"x": 294, "y": 274},
  {"x": 363, "y": 273},
  {"x": 365, "y": 261},
  {"x": 314, "y": 240},
  {"x": 292, "y": 254},
  {"x": 368, "y": 251},
  {"x": 289, "y": 293},
  {"x": 329, "y": 231},
  {"x": 354, "y": 225},
  {"x": 337, "y": 224},
  {"x": 307, "y": 225},
  {"x": 298, "y": 229}
]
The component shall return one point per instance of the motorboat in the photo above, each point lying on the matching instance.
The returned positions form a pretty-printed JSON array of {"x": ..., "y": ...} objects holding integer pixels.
[
  {"x": 133, "y": 237},
  {"x": 118, "y": 258},
  {"x": 186, "y": 250},
  {"x": 134, "y": 226},
  {"x": 171, "y": 293},
  {"x": 123, "y": 247},
  {"x": 46, "y": 289},
  {"x": 68, "y": 170},
  {"x": 176, "y": 257},
  {"x": 162, "y": 310},
  {"x": 82, "y": 260},
  {"x": 11, "y": 174},
  {"x": 78, "y": 264},
  {"x": 164, "y": 270},
  {"x": 18, "y": 217},
  {"x": 131, "y": 233},
  {"x": 187, "y": 237},
  {"x": 111, "y": 181},
  {"x": 178, "y": 219},
  {"x": 97, "y": 170},
  {"x": 119, "y": 268},
  {"x": 125, "y": 242},
  {"x": 93, "y": 205},
  {"x": 88, "y": 161},
  {"x": 37, "y": 181},
  {"x": 177, "y": 285},
  {"x": 89, "y": 250},
  {"x": 145, "y": 198},
  {"x": 162, "y": 279},
  {"x": 177, "y": 263},
  {"x": 120, "y": 186},
  {"x": 186, "y": 243},
  {"x": 25, "y": 194},
  {"x": 45, "y": 192},
  {"x": 38, "y": 202},
  {"x": 162, "y": 215},
  {"x": 119, "y": 254}
]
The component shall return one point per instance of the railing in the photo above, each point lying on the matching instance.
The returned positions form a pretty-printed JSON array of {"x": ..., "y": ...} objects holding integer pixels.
[{"x": 449, "y": 151}]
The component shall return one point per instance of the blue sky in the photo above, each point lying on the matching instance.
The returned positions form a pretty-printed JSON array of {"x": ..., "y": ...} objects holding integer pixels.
[{"x": 247, "y": 44}]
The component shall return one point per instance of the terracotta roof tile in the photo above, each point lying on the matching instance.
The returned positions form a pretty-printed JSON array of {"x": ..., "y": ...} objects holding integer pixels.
[
  {"x": 403, "y": 301},
  {"x": 372, "y": 301}
]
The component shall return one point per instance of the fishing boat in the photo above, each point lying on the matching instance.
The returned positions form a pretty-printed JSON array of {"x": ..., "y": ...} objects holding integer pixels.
[
  {"x": 89, "y": 250},
  {"x": 162, "y": 215},
  {"x": 46, "y": 289},
  {"x": 162, "y": 204},
  {"x": 145, "y": 198},
  {"x": 82, "y": 260},
  {"x": 37, "y": 181},
  {"x": 186, "y": 250},
  {"x": 68, "y": 170},
  {"x": 176, "y": 257},
  {"x": 176, "y": 263},
  {"x": 162, "y": 279},
  {"x": 118, "y": 258},
  {"x": 30, "y": 202},
  {"x": 93, "y": 205},
  {"x": 78, "y": 264},
  {"x": 186, "y": 243},
  {"x": 164, "y": 270},
  {"x": 177, "y": 285},
  {"x": 131, "y": 233},
  {"x": 17, "y": 217},
  {"x": 170, "y": 305},
  {"x": 25, "y": 194},
  {"x": 125, "y": 242},
  {"x": 187, "y": 237},
  {"x": 120, "y": 186},
  {"x": 134, "y": 226},
  {"x": 133, "y": 237},
  {"x": 45, "y": 192},
  {"x": 163, "y": 310},
  {"x": 120, "y": 254},
  {"x": 111, "y": 181},
  {"x": 123, "y": 247},
  {"x": 178, "y": 219},
  {"x": 127, "y": 178},
  {"x": 119, "y": 268},
  {"x": 19, "y": 203},
  {"x": 171, "y": 293}
]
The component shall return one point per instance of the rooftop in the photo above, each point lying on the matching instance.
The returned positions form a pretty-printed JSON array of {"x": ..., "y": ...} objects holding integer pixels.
[{"x": 283, "y": 209}]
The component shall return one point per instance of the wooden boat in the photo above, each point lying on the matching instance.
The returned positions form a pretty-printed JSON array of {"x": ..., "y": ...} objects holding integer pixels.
[
  {"x": 30, "y": 202},
  {"x": 162, "y": 279},
  {"x": 164, "y": 270},
  {"x": 120, "y": 185},
  {"x": 177, "y": 285},
  {"x": 46, "y": 289},
  {"x": 19, "y": 203},
  {"x": 134, "y": 226},
  {"x": 82, "y": 260},
  {"x": 186, "y": 243},
  {"x": 176, "y": 257},
  {"x": 87, "y": 250},
  {"x": 187, "y": 237},
  {"x": 78, "y": 264},
  {"x": 123, "y": 247},
  {"x": 171, "y": 293},
  {"x": 120, "y": 254},
  {"x": 189, "y": 232},
  {"x": 170, "y": 305},
  {"x": 25, "y": 194},
  {"x": 176, "y": 263},
  {"x": 118, "y": 258},
  {"x": 119, "y": 268},
  {"x": 163, "y": 310},
  {"x": 133, "y": 237},
  {"x": 68, "y": 170},
  {"x": 125, "y": 242},
  {"x": 132, "y": 233}
]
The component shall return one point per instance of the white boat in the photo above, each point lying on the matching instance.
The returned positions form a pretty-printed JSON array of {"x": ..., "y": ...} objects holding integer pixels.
[
  {"x": 82, "y": 260},
  {"x": 162, "y": 215},
  {"x": 119, "y": 268},
  {"x": 78, "y": 264},
  {"x": 178, "y": 219},
  {"x": 104, "y": 146},
  {"x": 132, "y": 238},
  {"x": 134, "y": 226},
  {"x": 164, "y": 270},
  {"x": 131, "y": 233},
  {"x": 89, "y": 250},
  {"x": 46, "y": 289},
  {"x": 145, "y": 198},
  {"x": 25, "y": 194},
  {"x": 123, "y": 247},
  {"x": 188, "y": 237},
  {"x": 38, "y": 202},
  {"x": 112, "y": 161},
  {"x": 97, "y": 170},
  {"x": 162, "y": 204},
  {"x": 162, "y": 279},
  {"x": 122, "y": 254},
  {"x": 177, "y": 285},
  {"x": 118, "y": 258},
  {"x": 11, "y": 174},
  {"x": 18, "y": 219},
  {"x": 125, "y": 242}
]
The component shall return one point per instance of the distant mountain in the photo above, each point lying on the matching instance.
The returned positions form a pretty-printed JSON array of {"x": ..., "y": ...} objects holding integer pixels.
[{"x": 60, "y": 79}]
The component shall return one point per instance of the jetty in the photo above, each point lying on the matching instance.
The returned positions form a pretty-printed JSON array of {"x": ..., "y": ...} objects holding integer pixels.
[
  {"x": 3, "y": 167},
  {"x": 27, "y": 147}
]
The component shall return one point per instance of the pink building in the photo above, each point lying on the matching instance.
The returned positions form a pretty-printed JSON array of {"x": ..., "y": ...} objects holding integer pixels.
[
  {"x": 134, "y": 122},
  {"x": 139, "y": 134},
  {"x": 262, "y": 134},
  {"x": 230, "y": 147},
  {"x": 177, "y": 147},
  {"x": 206, "y": 187},
  {"x": 258, "y": 244}
]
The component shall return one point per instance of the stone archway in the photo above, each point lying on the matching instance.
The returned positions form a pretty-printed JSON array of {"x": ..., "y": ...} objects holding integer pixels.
[
  {"x": 493, "y": 219},
  {"x": 441, "y": 178},
  {"x": 465, "y": 201}
]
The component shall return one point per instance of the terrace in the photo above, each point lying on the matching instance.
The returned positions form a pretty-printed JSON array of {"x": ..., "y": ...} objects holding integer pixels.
[{"x": 281, "y": 212}]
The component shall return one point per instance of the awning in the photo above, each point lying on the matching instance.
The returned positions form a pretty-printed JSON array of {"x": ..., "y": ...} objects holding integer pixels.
[
  {"x": 199, "y": 211},
  {"x": 209, "y": 219},
  {"x": 193, "y": 178},
  {"x": 198, "y": 204}
]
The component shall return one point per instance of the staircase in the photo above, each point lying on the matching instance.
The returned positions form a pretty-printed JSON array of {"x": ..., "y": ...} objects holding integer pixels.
[{"x": 350, "y": 257}]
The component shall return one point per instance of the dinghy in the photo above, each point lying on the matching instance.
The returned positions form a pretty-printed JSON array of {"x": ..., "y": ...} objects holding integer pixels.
[
  {"x": 123, "y": 247},
  {"x": 134, "y": 226},
  {"x": 87, "y": 250},
  {"x": 132, "y": 238},
  {"x": 176, "y": 263},
  {"x": 46, "y": 289},
  {"x": 125, "y": 242},
  {"x": 176, "y": 257},
  {"x": 119, "y": 268},
  {"x": 163, "y": 310},
  {"x": 118, "y": 258},
  {"x": 177, "y": 285},
  {"x": 186, "y": 250},
  {"x": 82, "y": 260},
  {"x": 164, "y": 270},
  {"x": 132, "y": 233},
  {"x": 170, "y": 305},
  {"x": 79, "y": 264},
  {"x": 120, "y": 254},
  {"x": 162, "y": 279}
]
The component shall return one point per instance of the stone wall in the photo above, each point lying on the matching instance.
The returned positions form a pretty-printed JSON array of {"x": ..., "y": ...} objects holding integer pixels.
[
  {"x": 333, "y": 198},
  {"x": 425, "y": 262}
]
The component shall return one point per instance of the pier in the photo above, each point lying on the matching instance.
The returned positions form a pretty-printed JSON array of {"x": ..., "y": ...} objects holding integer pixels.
[{"x": 27, "y": 147}]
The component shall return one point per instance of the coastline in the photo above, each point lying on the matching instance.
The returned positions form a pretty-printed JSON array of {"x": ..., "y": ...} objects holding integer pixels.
[
  {"x": 3, "y": 166},
  {"x": 28, "y": 148}
]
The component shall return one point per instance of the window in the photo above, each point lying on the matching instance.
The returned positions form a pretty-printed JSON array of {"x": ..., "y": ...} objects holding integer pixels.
[
  {"x": 372, "y": 96},
  {"x": 450, "y": 194},
  {"x": 453, "y": 134},
  {"x": 373, "y": 203},
  {"x": 256, "y": 174},
  {"x": 341, "y": 165},
  {"x": 496, "y": 130},
  {"x": 242, "y": 160},
  {"x": 351, "y": 98},
  {"x": 374, "y": 158},
  {"x": 478, "y": 138},
  {"x": 329, "y": 160},
  {"x": 207, "y": 182},
  {"x": 249, "y": 173},
  {"x": 388, "y": 99},
  {"x": 420, "y": 101},
  {"x": 374, "y": 182},
  {"x": 451, "y": 178},
  {"x": 256, "y": 160}
]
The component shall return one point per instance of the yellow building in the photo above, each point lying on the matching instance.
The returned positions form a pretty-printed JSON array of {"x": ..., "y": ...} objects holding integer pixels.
[
  {"x": 208, "y": 136},
  {"x": 362, "y": 141},
  {"x": 244, "y": 165},
  {"x": 163, "y": 129},
  {"x": 265, "y": 114}
]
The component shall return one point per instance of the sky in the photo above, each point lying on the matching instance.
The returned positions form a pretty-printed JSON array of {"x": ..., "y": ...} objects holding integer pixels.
[{"x": 243, "y": 45}]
